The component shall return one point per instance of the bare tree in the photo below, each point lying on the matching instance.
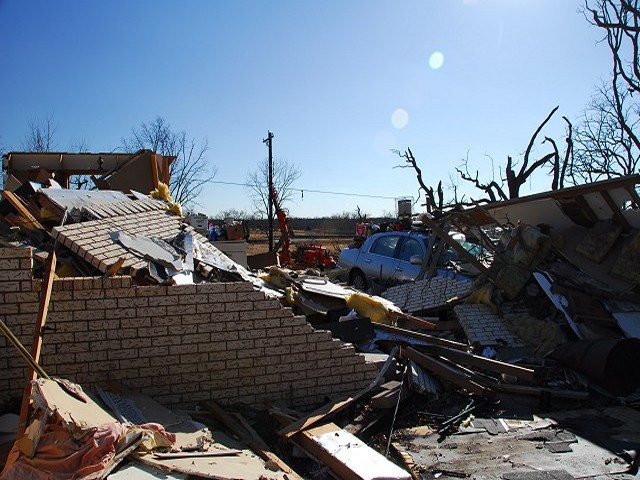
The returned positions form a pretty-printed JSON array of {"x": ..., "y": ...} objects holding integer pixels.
[
  {"x": 39, "y": 136},
  {"x": 80, "y": 182},
  {"x": 257, "y": 182},
  {"x": 606, "y": 140},
  {"x": 233, "y": 213},
  {"x": 515, "y": 175},
  {"x": 431, "y": 203},
  {"x": 190, "y": 171}
]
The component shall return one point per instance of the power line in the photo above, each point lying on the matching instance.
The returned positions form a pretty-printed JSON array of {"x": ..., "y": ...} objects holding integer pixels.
[{"x": 302, "y": 190}]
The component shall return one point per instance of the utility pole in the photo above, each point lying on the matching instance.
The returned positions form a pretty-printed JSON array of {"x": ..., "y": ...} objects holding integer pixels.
[{"x": 269, "y": 142}]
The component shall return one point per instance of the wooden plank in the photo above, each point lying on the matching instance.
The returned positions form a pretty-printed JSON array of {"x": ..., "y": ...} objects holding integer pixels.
[
  {"x": 22, "y": 210},
  {"x": 154, "y": 170},
  {"x": 323, "y": 412},
  {"x": 165, "y": 169},
  {"x": 249, "y": 439},
  {"x": 539, "y": 391},
  {"x": 417, "y": 321},
  {"x": 24, "y": 353},
  {"x": 113, "y": 269},
  {"x": 36, "y": 348},
  {"x": 470, "y": 359},
  {"x": 421, "y": 336},
  {"x": 455, "y": 376},
  {"x": 346, "y": 455}
]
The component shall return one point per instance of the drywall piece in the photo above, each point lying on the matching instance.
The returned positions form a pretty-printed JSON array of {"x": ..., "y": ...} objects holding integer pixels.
[
  {"x": 346, "y": 455},
  {"x": 245, "y": 464},
  {"x": 136, "y": 471},
  {"x": 76, "y": 410},
  {"x": 483, "y": 326}
]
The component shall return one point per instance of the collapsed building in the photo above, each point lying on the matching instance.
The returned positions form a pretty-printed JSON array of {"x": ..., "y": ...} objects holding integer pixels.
[{"x": 116, "y": 294}]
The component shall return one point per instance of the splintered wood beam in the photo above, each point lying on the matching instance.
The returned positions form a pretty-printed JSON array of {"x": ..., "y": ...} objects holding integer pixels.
[
  {"x": 250, "y": 438},
  {"x": 454, "y": 375},
  {"x": 30, "y": 221},
  {"x": 421, "y": 336},
  {"x": 417, "y": 321},
  {"x": 460, "y": 250},
  {"x": 165, "y": 170},
  {"x": 113, "y": 269},
  {"x": 470, "y": 359},
  {"x": 154, "y": 170},
  {"x": 36, "y": 348}
]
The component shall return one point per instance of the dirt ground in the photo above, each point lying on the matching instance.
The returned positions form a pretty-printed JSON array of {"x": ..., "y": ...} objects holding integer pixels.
[{"x": 259, "y": 241}]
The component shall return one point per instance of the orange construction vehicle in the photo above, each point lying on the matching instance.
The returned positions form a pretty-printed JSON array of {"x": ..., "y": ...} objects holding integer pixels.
[{"x": 305, "y": 256}]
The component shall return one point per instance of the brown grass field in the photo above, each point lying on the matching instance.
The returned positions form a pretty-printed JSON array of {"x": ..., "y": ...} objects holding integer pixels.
[{"x": 259, "y": 241}]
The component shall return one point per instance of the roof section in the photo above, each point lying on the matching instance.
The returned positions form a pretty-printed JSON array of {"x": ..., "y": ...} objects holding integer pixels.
[
  {"x": 92, "y": 241},
  {"x": 97, "y": 204}
]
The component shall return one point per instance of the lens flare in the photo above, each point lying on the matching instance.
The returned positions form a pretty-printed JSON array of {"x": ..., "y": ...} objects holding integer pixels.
[
  {"x": 399, "y": 118},
  {"x": 436, "y": 60}
]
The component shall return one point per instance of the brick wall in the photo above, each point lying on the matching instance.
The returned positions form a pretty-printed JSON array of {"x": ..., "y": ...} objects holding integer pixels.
[{"x": 178, "y": 344}]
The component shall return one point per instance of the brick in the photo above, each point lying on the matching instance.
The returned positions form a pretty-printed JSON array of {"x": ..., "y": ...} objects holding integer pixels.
[
  {"x": 21, "y": 252},
  {"x": 253, "y": 315},
  {"x": 9, "y": 286},
  {"x": 191, "y": 299},
  {"x": 238, "y": 306},
  {"x": 166, "y": 340},
  {"x": 88, "y": 294},
  {"x": 222, "y": 297},
  {"x": 181, "y": 310},
  {"x": 239, "y": 287},
  {"x": 13, "y": 275},
  {"x": 121, "y": 333},
  {"x": 211, "y": 288},
  {"x": 120, "y": 313},
  {"x": 210, "y": 308},
  {"x": 240, "y": 344},
  {"x": 89, "y": 314},
  {"x": 212, "y": 328},
  {"x": 120, "y": 354},
  {"x": 250, "y": 296},
  {"x": 224, "y": 336},
  {"x": 103, "y": 325},
  {"x": 154, "y": 291},
  {"x": 90, "y": 336},
  {"x": 152, "y": 331},
  {"x": 120, "y": 293},
  {"x": 133, "y": 302}
]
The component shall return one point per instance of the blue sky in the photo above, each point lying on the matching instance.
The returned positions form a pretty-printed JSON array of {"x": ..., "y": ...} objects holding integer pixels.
[{"x": 325, "y": 76}]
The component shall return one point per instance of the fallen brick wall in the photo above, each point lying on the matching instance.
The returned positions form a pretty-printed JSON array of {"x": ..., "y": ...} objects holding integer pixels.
[{"x": 178, "y": 344}]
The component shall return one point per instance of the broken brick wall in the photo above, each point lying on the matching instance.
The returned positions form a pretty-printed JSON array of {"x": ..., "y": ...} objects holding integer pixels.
[{"x": 178, "y": 344}]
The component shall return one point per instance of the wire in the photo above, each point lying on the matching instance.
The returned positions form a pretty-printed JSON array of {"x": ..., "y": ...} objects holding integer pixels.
[{"x": 301, "y": 190}]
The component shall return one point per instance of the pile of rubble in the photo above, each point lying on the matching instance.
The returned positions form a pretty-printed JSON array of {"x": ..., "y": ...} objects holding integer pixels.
[{"x": 192, "y": 366}]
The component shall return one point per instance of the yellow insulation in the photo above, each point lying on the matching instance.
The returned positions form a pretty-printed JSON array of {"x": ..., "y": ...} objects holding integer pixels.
[
  {"x": 162, "y": 193},
  {"x": 369, "y": 307}
]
